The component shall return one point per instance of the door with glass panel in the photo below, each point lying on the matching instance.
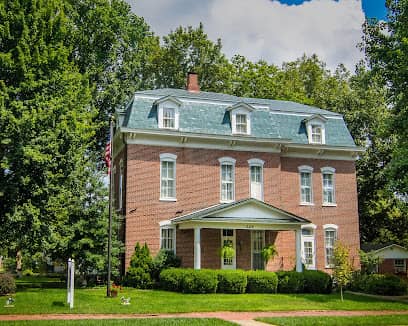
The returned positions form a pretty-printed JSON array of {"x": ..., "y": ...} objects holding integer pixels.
[
  {"x": 228, "y": 240},
  {"x": 257, "y": 244},
  {"x": 256, "y": 181},
  {"x": 308, "y": 248}
]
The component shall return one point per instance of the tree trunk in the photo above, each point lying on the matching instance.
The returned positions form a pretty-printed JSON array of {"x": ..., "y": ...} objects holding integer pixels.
[{"x": 341, "y": 293}]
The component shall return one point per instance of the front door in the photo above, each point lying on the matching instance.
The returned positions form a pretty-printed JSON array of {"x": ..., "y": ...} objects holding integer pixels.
[
  {"x": 257, "y": 244},
  {"x": 308, "y": 248},
  {"x": 228, "y": 239}
]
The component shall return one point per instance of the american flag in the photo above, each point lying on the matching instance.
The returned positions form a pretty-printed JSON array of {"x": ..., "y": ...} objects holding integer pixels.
[{"x": 108, "y": 156}]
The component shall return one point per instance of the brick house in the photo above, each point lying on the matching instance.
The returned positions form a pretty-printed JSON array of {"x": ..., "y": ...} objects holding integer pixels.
[
  {"x": 194, "y": 171},
  {"x": 393, "y": 258}
]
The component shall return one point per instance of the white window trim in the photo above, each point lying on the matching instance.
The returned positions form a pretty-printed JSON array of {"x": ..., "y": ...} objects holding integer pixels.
[
  {"x": 260, "y": 163},
  {"x": 311, "y": 238},
  {"x": 240, "y": 110},
  {"x": 306, "y": 169},
  {"x": 168, "y": 157},
  {"x": 316, "y": 120},
  {"x": 332, "y": 171},
  {"x": 227, "y": 161},
  {"x": 329, "y": 227},
  {"x": 167, "y": 227},
  {"x": 168, "y": 104}
]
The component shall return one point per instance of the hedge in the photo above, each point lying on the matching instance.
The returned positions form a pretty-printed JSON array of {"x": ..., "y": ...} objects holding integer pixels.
[
  {"x": 385, "y": 285},
  {"x": 237, "y": 281},
  {"x": 234, "y": 281},
  {"x": 199, "y": 281},
  {"x": 262, "y": 282},
  {"x": 7, "y": 284}
]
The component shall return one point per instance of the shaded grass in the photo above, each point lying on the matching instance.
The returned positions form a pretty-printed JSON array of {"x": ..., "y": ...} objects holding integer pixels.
[
  {"x": 124, "y": 322},
  {"x": 337, "y": 321},
  {"x": 35, "y": 301}
]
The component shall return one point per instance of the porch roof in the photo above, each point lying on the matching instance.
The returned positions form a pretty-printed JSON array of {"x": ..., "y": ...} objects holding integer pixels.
[{"x": 246, "y": 211}]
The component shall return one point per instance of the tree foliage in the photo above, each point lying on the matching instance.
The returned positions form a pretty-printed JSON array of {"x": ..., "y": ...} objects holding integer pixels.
[{"x": 342, "y": 272}]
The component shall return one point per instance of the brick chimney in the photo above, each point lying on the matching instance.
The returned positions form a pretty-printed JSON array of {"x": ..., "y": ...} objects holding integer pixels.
[{"x": 192, "y": 82}]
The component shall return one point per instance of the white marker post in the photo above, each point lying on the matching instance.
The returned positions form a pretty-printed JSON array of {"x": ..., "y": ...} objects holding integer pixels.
[{"x": 70, "y": 282}]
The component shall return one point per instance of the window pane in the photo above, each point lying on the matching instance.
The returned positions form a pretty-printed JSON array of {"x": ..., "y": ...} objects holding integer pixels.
[
  {"x": 168, "y": 118},
  {"x": 227, "y": 182},
  {"x": 316, "y": 134},
  {"x": 241, "y": 123},
  {"x": 330, "y": 237},
  {"x": 168, "y": 183}
]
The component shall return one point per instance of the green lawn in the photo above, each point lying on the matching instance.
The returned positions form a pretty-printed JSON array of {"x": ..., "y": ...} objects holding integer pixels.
[
  {"x": 337, "y": 321},
  {"x": 35, "y": 301},
  {"x": 125, "y": 322}
]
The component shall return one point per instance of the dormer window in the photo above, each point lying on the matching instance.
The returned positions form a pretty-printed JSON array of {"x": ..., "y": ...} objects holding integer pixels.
[
  {"x": 241, "y": 124},
  {"x": 169, "y": 118},
  {"x": 241, "y": 118},
  {"x": 168, "y": 112},
  {"x": 315, "y": 127},
  {"x": 316, "y": 134}
]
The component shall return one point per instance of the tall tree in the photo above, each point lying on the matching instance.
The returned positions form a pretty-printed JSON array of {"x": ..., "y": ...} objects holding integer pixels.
[{"x": 386, "y": 49}]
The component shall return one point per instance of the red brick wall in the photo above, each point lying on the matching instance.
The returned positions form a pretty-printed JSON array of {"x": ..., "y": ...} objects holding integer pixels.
[{"x": 197, "y": 186}]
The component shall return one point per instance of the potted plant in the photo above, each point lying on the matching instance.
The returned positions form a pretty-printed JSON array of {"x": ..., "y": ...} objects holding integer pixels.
[
  {"x": 268, "y": 252},
  {"x": 227, "y": 251}
]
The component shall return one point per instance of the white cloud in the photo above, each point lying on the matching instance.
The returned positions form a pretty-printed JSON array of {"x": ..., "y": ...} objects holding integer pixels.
[{"x": 267, "y": 29}]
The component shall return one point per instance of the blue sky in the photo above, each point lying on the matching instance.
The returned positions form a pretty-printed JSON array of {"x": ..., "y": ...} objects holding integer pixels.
[
  {"x": 371, "y": 8},
  {"x": 273, "y": 30}
]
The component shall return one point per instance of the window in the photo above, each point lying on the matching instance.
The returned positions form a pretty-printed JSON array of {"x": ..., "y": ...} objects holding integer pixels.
[
  {"x": 256, "y": 178},
  {"x": 316, "y": 134},
  {"x": 168, "y": 177},
  {"x": 167, "y": 239},
  {"x": 168, "y": 112},
  {"x": 328, "y": 186},
  {"x": 241, "y": 118},
  {"x": 258, "y": 243},
  {"x": 308, "y": 246},
  {"x": 241, "y": 124},
  {"x": 315, "y": 128},
  {"x": 169, "y": 118},
  {"x": 227, "y": 179},
  {"x": 120, "y": 199},
  {"x": 330, "y": 237},
  {"x": 228, "y": 240},
  {"x": 306, "y": 193},
  {"x": 399, "y": 265}
]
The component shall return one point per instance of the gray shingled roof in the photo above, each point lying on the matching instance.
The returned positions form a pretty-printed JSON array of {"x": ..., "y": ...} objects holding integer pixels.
[
  {"x": 210, "y": 213},
  {"x": 271, "y": 120}
]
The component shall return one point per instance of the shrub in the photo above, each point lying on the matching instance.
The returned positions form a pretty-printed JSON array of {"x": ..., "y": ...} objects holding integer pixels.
[
  {"x": 199, "y": 281},
  {"x": 262, "y": 282},
  {"x": 231, "y": 281},
  {"x": 290, "y": 282},
  {"x": 7, "y": 284},
  {"x": 139, "y": 272},
  {"x": 171, "y": 279},
  {"x": 358, "y": 281},
  {"x": 28, "y": 272},
  {"x": 385, "y": 285},
  {"x": 316, "y": 282},
  {"x": 165, "y": 259}
]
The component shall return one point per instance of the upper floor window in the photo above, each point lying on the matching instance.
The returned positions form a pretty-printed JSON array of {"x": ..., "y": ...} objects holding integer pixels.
[
  {"x": 328, "y": 186},
  {"x": 306, "y": 191},
  {"x": 168, "y": 112},
  {"x": 169, "y": 118},
  {"x": 168, "y": 176},
  {"x": 315, "y": 127},
  {"x": 227, "y": 179},
  {"x": 330, "y": 237},
  {"x": 256, "y": 178},
  {"x": 241, "y": 118}
]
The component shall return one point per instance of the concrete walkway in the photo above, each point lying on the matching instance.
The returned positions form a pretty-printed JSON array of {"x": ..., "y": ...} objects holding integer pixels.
[{"x": 240, "y": 318}]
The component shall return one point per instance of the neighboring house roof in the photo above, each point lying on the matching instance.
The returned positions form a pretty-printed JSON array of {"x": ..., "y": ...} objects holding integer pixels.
[
  {"x": 386, "y": 251},
  {"x": 207, "y": 113},
  {"x": 248, "y": 210}
]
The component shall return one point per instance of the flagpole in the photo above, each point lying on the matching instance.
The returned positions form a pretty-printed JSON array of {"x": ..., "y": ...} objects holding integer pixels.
[{"x": 108, "y": 286}]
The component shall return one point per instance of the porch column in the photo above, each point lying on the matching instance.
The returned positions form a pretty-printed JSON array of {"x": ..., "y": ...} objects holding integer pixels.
[
  {"x": 298, "y": 250},
  {"x": 197, "y": 248}
]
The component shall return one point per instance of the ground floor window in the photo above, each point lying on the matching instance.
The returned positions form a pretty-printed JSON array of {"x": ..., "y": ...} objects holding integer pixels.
[
  {"x": 257, "y": 244},
  {"x": 399, "y": 265},
  {"x": 167, "y": 239},
  {"x": 330, "y": 237},
  {"x": 228, "y": 240}
]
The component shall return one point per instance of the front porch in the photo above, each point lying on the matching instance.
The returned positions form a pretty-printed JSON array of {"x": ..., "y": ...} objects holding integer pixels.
[{"x": 247, "y": 226}]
